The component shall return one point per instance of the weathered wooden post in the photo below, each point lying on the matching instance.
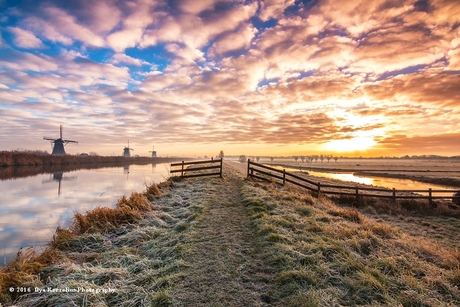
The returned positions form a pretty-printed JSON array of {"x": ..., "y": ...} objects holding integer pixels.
[
  {"x": 357, "y": 194},
  {"x": 249, "y": 161},
  {"x": 182, "y": 170},
  {"x": 430, "y": 196},
  {"x": 221, "y": 162},
  {"x": 284, "y": 176},
  {"x": 394, "y": 194},
  {"x": 319, "y": 187}
]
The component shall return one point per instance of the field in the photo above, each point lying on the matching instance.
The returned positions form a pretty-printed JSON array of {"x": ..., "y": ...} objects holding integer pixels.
[{"x": 239, "y": 242}]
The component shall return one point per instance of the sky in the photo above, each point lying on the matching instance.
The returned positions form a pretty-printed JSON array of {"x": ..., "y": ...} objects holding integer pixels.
[{"x": 193, "y": 77}]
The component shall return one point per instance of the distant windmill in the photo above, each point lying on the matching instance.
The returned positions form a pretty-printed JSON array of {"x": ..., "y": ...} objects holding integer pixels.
[
  {"x": 58, "y": 148},
  {"x": 154, "y": 153},
  {"x": 127, "y": 151}
]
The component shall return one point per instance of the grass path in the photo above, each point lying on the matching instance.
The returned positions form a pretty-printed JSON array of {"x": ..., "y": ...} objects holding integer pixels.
[{"x": 222, "y": 256}]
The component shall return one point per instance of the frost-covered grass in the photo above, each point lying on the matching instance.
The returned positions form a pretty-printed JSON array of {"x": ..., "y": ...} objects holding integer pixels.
[{"x": 325, "y": 254}]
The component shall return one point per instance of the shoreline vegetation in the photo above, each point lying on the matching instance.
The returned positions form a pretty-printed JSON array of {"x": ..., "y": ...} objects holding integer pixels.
[
  {"x": 240, "y": 242},
  {"x": 25, "y": 164}
]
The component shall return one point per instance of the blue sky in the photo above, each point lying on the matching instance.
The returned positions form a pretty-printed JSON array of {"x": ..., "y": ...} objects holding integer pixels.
[{"x": 248, "y": 77}]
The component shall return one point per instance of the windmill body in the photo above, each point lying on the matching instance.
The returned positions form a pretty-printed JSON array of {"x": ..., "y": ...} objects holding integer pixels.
[
  {"x": 58, "y": 147},
  {"x": 154, "y": 153},
  {"x": 127, "y": 151}
]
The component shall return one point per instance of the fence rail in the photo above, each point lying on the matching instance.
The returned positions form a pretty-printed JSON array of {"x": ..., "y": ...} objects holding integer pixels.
[
  {"x": 187, "y": 172},
  {"x": 258, "y": 171}
]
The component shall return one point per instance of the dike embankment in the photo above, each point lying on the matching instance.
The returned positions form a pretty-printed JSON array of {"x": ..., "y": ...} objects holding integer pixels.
[{"x": 231, "y": 241}]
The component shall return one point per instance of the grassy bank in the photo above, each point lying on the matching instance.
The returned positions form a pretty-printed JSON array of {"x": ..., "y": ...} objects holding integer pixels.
[{"x": 234, "y": 242}]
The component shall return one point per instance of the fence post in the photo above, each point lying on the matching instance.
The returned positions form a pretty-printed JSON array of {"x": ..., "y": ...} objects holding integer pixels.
[
  {"x": 319, "y": 187},
  {"x": 249, "y": 161},
  {"x": 357, "y": 193},
  {"x": 284, "y": 176},
  {"x": 221, "y": 162},
  {"x": 430, "y": 199},
  {"x": 182, "y": 172},
  {"x": 394, "y": 194}
]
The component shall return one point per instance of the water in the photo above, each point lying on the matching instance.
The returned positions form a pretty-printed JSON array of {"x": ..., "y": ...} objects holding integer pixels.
[
  {"x": 31, "y": 208},
  {"x": 398, "y": 184}
]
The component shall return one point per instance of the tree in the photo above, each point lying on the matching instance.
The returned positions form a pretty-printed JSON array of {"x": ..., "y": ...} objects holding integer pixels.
[
  {"x": 221, "y": 154},
  {"x": 321, "y": 157},
  {"x": 328, "y": 158},
  {"x": 242, "y": 158},
  {"x": 257, "y": 159},
  {"x": 271, "y": 158},
  {"x": 296, "y": 158},
  {"x": 302, "y": 158},
  {"x": 335, "y": 158}
]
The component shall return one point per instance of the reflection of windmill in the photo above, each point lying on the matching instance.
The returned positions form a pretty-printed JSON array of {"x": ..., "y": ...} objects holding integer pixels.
[
  {"x": 127, "y": 151},
  {"x": 58, "y": 148},
  {"x": 154, "y": 153},
  {"x": 59, "y": 177}
]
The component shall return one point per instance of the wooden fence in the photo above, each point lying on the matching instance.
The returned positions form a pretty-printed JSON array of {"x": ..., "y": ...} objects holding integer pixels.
[
  {"x": 186, "y": 171},
  {"x": 257, "y": 170}
]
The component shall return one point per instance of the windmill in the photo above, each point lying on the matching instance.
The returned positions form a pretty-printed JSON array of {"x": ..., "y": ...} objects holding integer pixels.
[
  {"x": 127, "y": 151},
  {"x": 58, "y": 148},
  {"x": 154, "y": 153}
]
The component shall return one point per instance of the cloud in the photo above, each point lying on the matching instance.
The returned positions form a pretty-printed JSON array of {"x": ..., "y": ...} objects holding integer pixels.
[
  {"x": 237, "y": 40},
  {"x": 134, "y": 24},
  {"x": 25, "y": 39},
  {"x": 196, "y": 31},
  {"x": 59, "y": 26},
  {"x": 445, "y": 142},
  {"x": 186, "y": 52},
  {"x": 195, "y": 7},
  {"x": 273, "y": 8},
  {"x": 121, "y": 58}
]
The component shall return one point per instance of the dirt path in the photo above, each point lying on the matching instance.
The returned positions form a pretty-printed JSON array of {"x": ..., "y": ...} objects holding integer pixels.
[{"x": 223, "y": 268}]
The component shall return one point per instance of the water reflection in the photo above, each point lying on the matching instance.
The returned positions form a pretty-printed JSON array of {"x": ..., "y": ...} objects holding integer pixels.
[
  {"x": 390, "y": 183},
  {"x": 344, "y": 177},
  {"x": 30, "y": 208},
  {"x": 59, "y": 177}
]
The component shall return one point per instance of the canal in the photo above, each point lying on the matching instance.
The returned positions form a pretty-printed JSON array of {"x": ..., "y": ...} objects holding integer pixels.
[{"x": 32, "y": 207}]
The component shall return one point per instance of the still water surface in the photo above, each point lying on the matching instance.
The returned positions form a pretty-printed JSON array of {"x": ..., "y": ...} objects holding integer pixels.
[
  {"x": 31, "y": 208},
  {"x": 398, "y": 184}
]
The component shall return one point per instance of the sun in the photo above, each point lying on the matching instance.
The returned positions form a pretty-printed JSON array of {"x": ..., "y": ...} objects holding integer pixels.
[{"x": 350, "y": 145}]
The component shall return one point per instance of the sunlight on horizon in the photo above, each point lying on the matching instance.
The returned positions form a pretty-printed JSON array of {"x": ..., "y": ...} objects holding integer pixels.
[{"x": 350, "y": 145}]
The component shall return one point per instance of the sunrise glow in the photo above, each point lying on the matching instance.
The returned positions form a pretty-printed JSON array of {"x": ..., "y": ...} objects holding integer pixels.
[
  {"x": 247, "y": 77},
  {"x": 350, "y": 145}
]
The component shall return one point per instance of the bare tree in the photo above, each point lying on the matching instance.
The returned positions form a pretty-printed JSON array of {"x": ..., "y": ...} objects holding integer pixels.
[
  {"x": 328, "y": 158},
  {"x": 242, "y": 158},
  {"x": 336, "y": 158},
  {"x": 221, "y": 154},
  {"x": 302, "y": 158},
  {"x": 321, "y": 157},
  {"x": 296, "y": 158},
  {"x": 271, "y": 158}
]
